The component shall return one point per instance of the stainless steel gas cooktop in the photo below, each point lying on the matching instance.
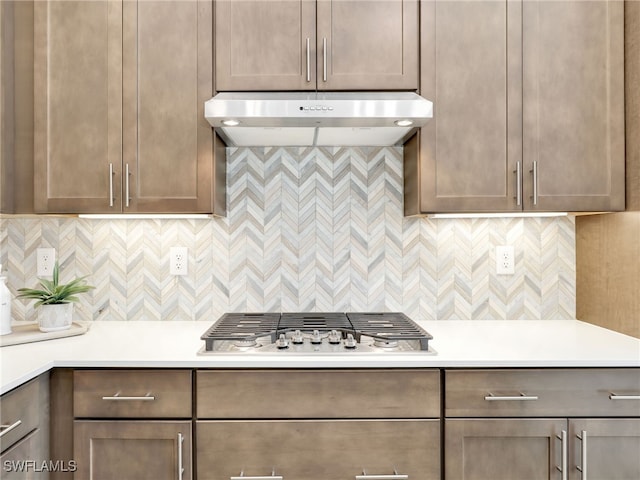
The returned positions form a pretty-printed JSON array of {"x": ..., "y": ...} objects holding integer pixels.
[{"x": 316, "y": 333}]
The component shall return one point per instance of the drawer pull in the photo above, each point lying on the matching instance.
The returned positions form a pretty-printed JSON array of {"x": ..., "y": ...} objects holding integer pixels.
[
  {"x": 118, "y": 397},
  {"x": 614, "y": 396},
  {"x": 273, "y": 476},
  {"x": 7, "y": 428},
  {"x": 395, "y": 476},
  {"x": 508, "y": 398},
  {"x": 180, "y": 466},
  {"x": 583, "y": 453},
  {"x": 563, "y": 469}
]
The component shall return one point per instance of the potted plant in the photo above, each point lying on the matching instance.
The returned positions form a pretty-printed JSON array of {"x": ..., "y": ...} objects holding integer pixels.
[{"x": 55, "y": 301}]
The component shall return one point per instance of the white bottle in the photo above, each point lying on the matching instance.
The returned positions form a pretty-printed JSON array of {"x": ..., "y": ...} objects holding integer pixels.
[{"x": 5, "y": 306}]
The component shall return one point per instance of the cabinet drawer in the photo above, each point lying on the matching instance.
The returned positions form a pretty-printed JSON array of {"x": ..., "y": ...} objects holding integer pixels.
[
  {"x": 132, "y": 393},
  {"x": 318, "y": 394},
  {"x": 549, "y": 392},
  {"x": 318, "y": 449},
  {"x": 19, "y": 413}
]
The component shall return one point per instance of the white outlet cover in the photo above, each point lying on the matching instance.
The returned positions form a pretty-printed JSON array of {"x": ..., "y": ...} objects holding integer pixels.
[
  {"x": 179, "y": 261},
  {"x": 505, "y": 260},
  {"x": 45, "y": 261}
]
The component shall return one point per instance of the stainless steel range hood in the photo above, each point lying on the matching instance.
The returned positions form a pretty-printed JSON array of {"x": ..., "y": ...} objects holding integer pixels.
[{"x": 316, "y": 118}]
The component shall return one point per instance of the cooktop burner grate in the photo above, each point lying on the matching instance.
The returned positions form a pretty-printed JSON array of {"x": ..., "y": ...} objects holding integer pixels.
[{"x": 388, "y": 327}]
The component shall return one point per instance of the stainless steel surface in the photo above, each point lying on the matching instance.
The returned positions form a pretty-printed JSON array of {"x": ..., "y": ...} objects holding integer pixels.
[
  {"x": 111, "y": 184},
  {"x": 7, "y": 428},
  {"x": 126, "y": 191},
  {"x": 180, "y": 465},
  {"x": 116, "y": 397},
  {"x": 615, "y": 396},
  {"x": 564, "y": 460},
  {"x": 273, "y": 476},
  {"x": 316, "y": 118},
  {"x": 308, "y": 60},
  {"x": 395, "y": 476},
  {"x": 534, "y": 171},
  {"x": 582, "y": 468},
  {"x": 518, "y": 184},
  {"x": 324, "y": 59},
  {"x": 510, "y": 398}
]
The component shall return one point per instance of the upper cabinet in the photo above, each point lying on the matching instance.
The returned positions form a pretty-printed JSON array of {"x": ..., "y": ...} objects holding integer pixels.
[
  {"x": 534, "y": 120},
  {"x": 119, "y": 122},
  {"x": 316, "y": 45}
]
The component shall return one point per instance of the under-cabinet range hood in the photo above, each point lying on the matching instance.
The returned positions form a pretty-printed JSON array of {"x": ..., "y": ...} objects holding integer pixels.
[{"x": 316, "y": 118}]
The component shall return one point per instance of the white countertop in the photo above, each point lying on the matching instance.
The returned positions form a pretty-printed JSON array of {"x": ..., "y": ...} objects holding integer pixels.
[{"x": 459, "y": 343}]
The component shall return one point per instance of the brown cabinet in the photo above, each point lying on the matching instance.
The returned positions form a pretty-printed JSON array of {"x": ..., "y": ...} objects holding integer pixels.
[
  {"x": 119, "y": 121},
  {"x": 109, "y": 444},
  {"x": 535, "y": 120},
  {"x": 318, "y": 424},
  {"x": 24, "y": 430},
  {"x": 323, "y": 45},
  {"x": 526, "y": 442}
]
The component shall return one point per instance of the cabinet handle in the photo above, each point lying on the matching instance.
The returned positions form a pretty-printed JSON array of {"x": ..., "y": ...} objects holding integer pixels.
[
  {"x": 518, "y": 172},
  {"x": 273, "y": 476},
  {"x": 7, "y": 428},
  {"x": 118, "y": 397},
  {"x": 126, "y": 184},
  {"x": 614, "y": 396},
  {"x": 582, "y": 468},
  {"x": 507, "y": 398},
  {"x": 180, "y": 466},
  {"x": 534, "y": 171},
  {"x": 395, "y": 476},
  {"x": 324, "y": 59},
  {"x": 308, "y": 61},
  {"x": 563, "y": 467},
  {"x": 111, "y": 184}
]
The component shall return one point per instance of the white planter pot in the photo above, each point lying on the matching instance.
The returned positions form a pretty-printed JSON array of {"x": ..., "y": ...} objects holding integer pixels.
[{"x": 52, "y": 318}]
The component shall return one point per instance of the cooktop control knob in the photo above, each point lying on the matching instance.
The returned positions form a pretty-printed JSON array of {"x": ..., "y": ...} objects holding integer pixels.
[
  {"x": 297, "y": 338},
  {"x": 350, "y": 342},
  {"x": 334, "y": 337},
  {"x": 316, "y": 338},
  {"x": 282, "y": 342}
]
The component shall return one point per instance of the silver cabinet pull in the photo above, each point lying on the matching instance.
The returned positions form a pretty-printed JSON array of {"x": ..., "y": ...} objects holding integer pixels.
[
  {"x": 273, "y": 476},
  {"x": 509, "y": 398},
  {"x": 118, "y": 397},
  {"x": 534, "y": 171},
  {"x": 324, "y": 59},
  {"x": 395, "y": 476},
  {"x": 564, "y": 460},
  {"x": 582, "y": 468},
  {"x": 518, "y": 172},
  {"x": 180, "y": 466},
  {"x": 126, "y": 184},
  {"x": 308, "y": 61},
  {"x": 7, "y": 428},
  {"x": 615, "y": 396},
  {"x": 111, "y": 184}
]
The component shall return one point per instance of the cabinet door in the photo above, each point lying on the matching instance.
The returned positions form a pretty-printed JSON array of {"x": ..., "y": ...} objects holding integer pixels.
[
  {"x": 263, "y": 45},
  {"x": 14, "y": 463},
  {"x": 612, "y": 447},
  {"x": 167, "y": 77},
  {"x": 318, "y": 449},
  {"x": 367, "y": 45},
  {"x": 465, "y": 158},
  {"x": 488, "y": 449},
  {"x": 573, "y": 101},
  {"x": 113, "y": 450},
  {"x": 78, "y": 106}
]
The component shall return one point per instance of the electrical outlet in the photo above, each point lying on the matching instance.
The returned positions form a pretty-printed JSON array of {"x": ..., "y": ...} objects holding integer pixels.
[
  {"x": 45, "y": 260},
  {"x": 505, "y": 260},
  {"x": 179, "y": 261}
]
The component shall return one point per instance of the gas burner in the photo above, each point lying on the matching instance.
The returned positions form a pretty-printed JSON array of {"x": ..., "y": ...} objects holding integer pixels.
[{"x": 316, "y": 333}]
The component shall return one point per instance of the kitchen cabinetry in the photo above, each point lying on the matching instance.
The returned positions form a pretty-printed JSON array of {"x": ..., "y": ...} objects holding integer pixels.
[
  {"x": 119, "y": 121},
  {"x": 535, "y": 120},
  {"x": 24, "y": 434},
  {"x": 318, "y": 424},
  {"x": 542, "y": 424},
  {"x": 323, "y": 45},
  {"x": 133, "y": 424}
]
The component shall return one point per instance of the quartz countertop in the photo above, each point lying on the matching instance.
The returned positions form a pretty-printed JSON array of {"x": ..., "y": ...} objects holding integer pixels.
[{"x": 458, "y": 343}]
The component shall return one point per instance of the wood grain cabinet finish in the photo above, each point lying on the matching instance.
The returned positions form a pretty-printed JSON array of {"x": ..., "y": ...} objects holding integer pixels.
[
  {"x": 318, "y": 394},
  {"x": 318, "y": 449},
  {"x": 535, "y": 120},
  {"x": 12, "y": 461},
  {"x": 120, "y": 90},
  {"x": 324, "y": 45},
  {"x": 132, "y": 394},
  {"x": 115, "y": 450}
]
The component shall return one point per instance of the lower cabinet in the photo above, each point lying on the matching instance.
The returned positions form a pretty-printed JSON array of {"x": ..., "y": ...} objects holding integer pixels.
[{"x": 140, "y": 450}]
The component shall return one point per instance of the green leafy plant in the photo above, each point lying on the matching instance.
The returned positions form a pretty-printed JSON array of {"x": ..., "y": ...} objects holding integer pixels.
[{"x": 53, "y": 293}]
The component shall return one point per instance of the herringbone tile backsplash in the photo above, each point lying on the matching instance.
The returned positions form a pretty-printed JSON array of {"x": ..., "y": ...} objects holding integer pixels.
[{"x": 308, "y": 229}]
